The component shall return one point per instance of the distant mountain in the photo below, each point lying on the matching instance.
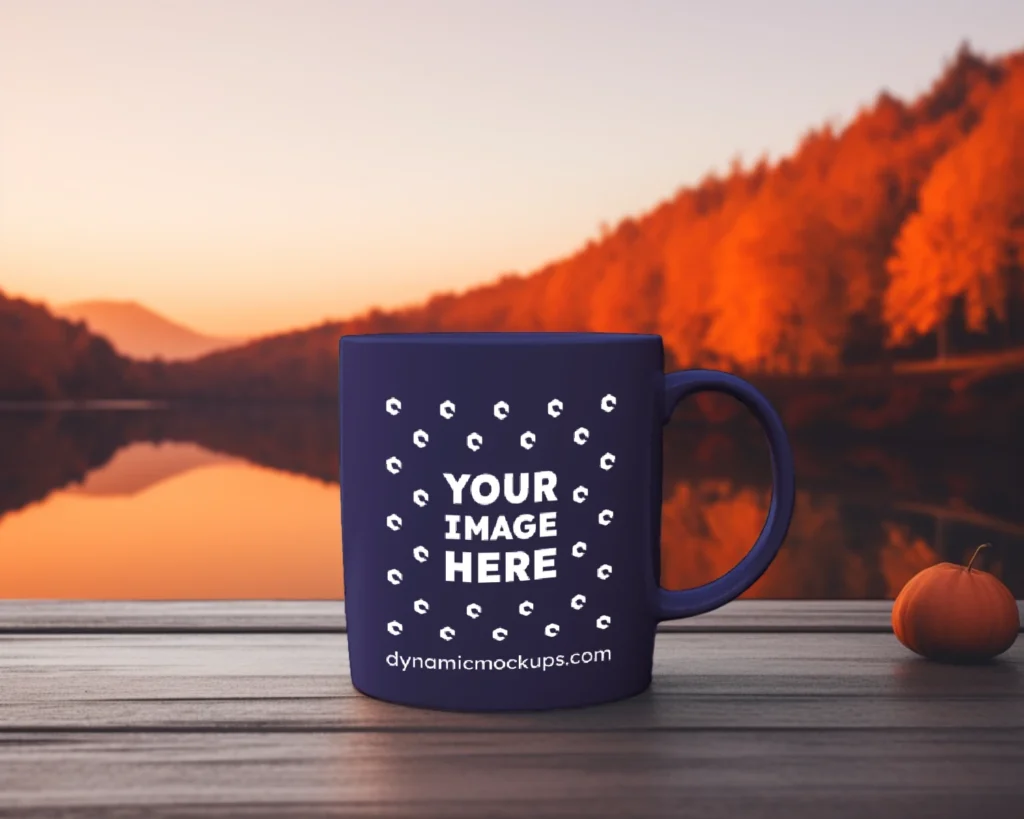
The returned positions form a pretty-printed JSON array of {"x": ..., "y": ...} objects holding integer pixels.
[
  {"x": 897, "y": 236},
  {"x": 141, "y": 333}
]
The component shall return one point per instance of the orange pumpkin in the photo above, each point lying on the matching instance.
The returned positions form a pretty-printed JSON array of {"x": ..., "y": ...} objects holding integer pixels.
[{"x": 956, "y": 613}]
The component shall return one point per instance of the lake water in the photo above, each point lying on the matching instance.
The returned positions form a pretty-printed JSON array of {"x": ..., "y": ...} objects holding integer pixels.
[{"x": 158, "y": 503}]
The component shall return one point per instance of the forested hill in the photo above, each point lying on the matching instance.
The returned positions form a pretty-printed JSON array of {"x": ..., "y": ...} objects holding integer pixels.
[
  {"x": 859, "y": 246},
  {"x": 900, "y": 234},
  {"x": 45, "y": 358}
]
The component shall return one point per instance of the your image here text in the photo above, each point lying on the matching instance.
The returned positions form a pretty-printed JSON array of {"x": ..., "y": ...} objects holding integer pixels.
[{"x": 493, "y": 566}]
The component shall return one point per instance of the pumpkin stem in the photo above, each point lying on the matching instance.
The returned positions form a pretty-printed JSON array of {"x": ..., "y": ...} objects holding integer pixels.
[{"x": 976, "y": 551}]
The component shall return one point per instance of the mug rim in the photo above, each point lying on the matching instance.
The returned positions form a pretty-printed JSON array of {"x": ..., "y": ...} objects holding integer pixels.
[{"x": 502, "y": 337}]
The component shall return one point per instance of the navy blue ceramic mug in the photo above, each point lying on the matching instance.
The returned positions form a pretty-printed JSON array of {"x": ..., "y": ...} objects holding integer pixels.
[{"x": 501, "y": 511}]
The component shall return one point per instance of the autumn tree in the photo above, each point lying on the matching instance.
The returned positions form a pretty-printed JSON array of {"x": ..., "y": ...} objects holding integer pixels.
[
  {"x": 966, "y": 240},
  {"x": 700, "y": 218},
  {"x": 623, "y": 292},
  {"x": 778, "y": 302}
]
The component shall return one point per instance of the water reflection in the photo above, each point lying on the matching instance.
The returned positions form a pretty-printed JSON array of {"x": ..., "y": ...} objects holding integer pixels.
[
  {"x": 243, "y": 503},
  {"x": 197, "y": 525},
  {"x": 140, "y": 466}
]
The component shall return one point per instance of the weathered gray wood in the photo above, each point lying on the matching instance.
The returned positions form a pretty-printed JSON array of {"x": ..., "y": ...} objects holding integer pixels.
[
  {"x": 263, "y": 616},
  {"x": 251, "y": 682},
  {"x": 938, "y": 774},
  {"x": 328, "y": 616},
  {"x": 268, "y": 725}
]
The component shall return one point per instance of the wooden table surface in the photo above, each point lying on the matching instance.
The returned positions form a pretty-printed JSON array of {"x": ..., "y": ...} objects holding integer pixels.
[{"x": 763, "y": 709}]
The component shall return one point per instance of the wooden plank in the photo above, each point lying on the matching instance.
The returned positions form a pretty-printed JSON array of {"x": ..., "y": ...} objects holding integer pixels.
[
  {"x": 328, "y": 616},
  {"x": 300, "y": 682},
  {"x": 159, "y": 616},
  {"x": 767, "y": 774},
  {"x": 793, "y": 725}
]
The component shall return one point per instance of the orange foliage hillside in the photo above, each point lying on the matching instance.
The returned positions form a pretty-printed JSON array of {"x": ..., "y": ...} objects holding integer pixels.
[
  {"x": 832, "y": 256},
  {"x": 899, "y": 235}
]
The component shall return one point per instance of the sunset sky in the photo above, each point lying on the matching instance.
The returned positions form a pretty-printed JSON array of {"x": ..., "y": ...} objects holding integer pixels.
[{"x": 250, "y": 166}]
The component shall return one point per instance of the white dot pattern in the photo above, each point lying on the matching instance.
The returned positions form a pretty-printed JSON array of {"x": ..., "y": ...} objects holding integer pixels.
[{"x": 528, "y": 439}]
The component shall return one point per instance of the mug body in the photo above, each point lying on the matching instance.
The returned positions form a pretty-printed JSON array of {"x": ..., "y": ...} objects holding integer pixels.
[{"x": 501, "y": 497}]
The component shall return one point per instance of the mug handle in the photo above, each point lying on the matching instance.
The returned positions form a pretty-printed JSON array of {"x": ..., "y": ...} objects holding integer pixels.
[{"x": 673, "y": 605}]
